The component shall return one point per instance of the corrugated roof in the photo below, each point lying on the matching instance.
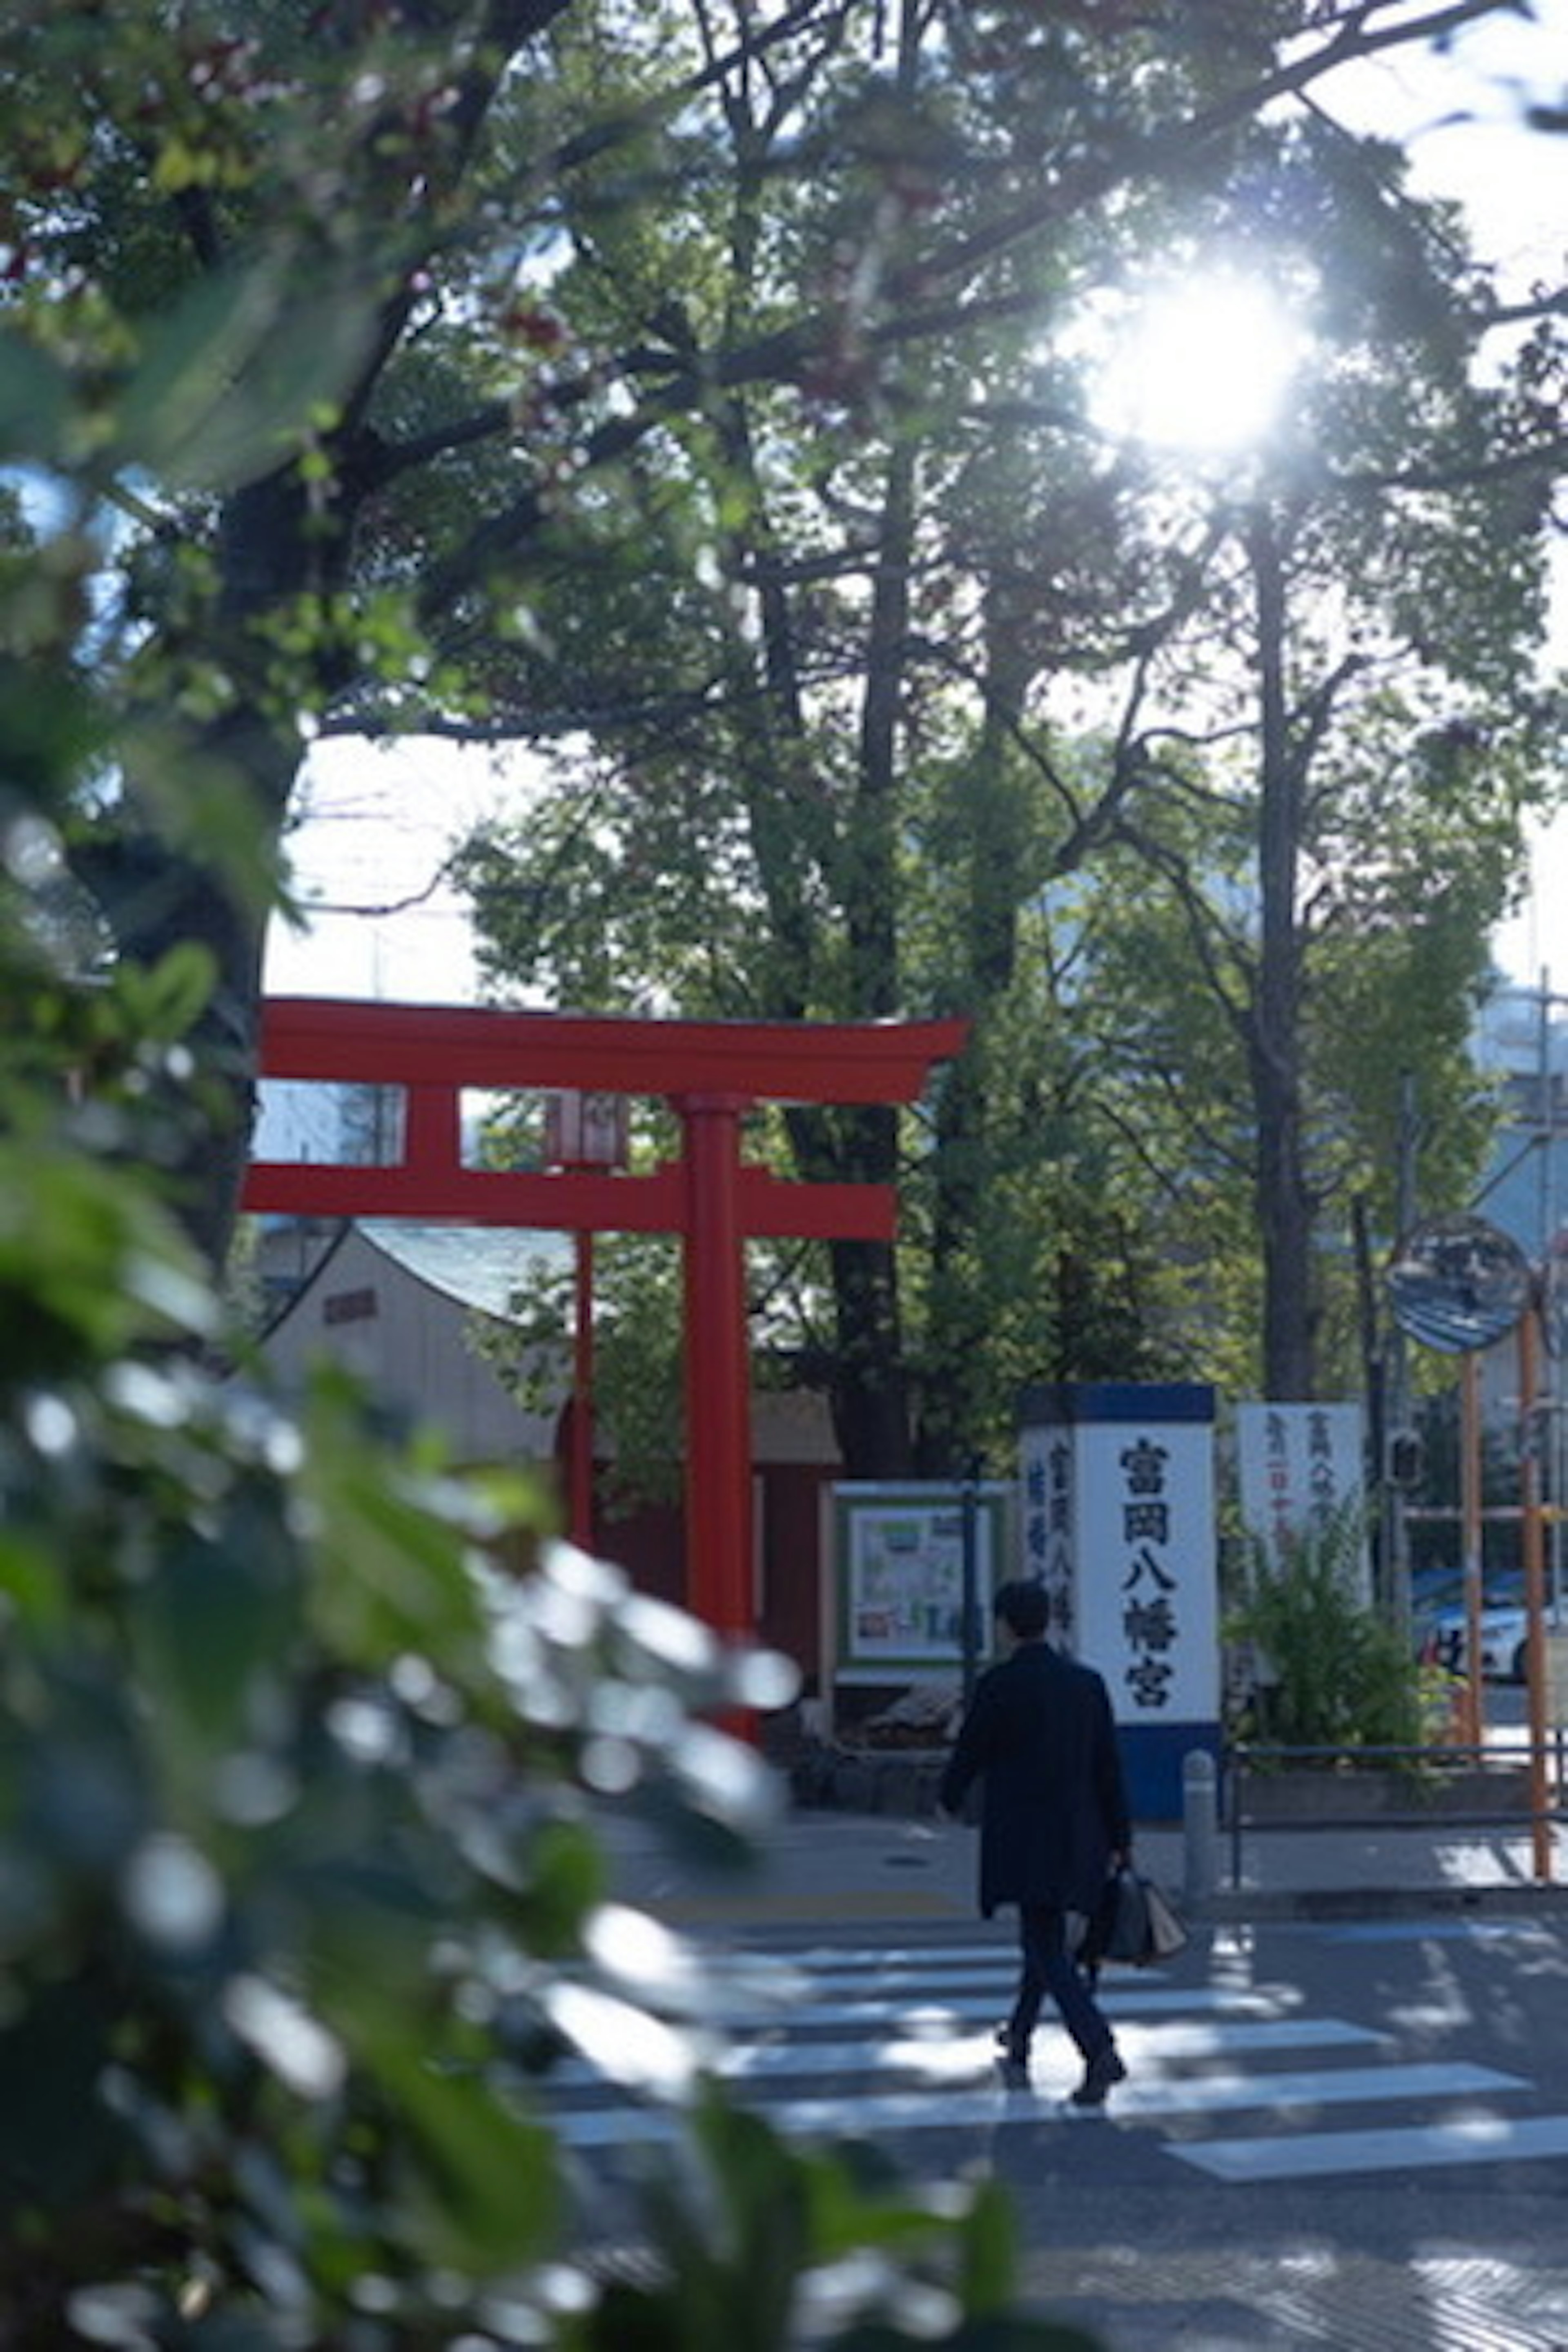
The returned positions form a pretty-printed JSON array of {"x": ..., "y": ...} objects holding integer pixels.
[{"x": 482, "y": 1266}]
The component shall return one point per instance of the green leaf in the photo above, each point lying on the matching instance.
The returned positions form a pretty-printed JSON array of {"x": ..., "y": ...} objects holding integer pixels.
[
  {"x": 31, "y": 1580},
  {"x": 478, "y": 2182},
  {"x": 567, "y": 1877},
  {"x": 162, "y": 1002},
  {"x": 87, "y": 1261},
  {"x": 213, "y": 1624},
  {"x": 47, "y": 732},
  {"x": 35, "y": 400},
  {"x": 988, "y": 2269},
  {"x": 232, "y": 380},
  {"x": 400, "y": 1582},
  {"x": 57, "y": 2140}
]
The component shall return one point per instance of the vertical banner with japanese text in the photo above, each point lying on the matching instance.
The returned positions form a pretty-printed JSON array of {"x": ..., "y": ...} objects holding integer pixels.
[
  {"x": 1118, "y": 1523},
  {"x": 1048, "y": 1474},
  {"x": 1299, "y": 1469}
]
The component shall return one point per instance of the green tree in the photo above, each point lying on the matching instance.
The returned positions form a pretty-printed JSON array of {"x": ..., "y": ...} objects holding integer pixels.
[
  {"x": 838, "y": 772},
  {"x": 1360, "y": 783},
  {"x": 354, "y": 519}
]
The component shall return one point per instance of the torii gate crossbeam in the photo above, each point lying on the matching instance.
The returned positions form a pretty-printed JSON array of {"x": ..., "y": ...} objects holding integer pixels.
[{"x": 711, "y": 1072}]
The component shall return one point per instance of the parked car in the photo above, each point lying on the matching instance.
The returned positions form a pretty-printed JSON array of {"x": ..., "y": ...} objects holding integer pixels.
[{"x": 1503, "y": 1632}]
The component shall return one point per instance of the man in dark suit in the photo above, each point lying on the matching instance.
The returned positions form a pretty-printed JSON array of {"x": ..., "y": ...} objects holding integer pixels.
[{"x": 1039, "y": 1735}]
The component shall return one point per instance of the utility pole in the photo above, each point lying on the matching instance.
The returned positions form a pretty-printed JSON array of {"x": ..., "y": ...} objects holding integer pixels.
[
  {"x": 1395, "y": 1546},
  {"x": 1549, "y": 1430},
  {"x": 1536, "y": 1112}
]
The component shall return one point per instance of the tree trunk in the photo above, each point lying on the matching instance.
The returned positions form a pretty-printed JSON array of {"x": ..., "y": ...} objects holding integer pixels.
[
  {"x": 870, "y": 1398},
  {"x": 155, "y": 898},
  {"x": 954, "y": 1396},
  {"x": 870, "y": 1389},
  {"x": 1282, "y": 1193},
  {"x": 229, "y": 783}
]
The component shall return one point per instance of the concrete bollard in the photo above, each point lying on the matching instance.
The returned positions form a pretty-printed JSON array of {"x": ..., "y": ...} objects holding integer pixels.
[{"x": 1200, "y": 1824}]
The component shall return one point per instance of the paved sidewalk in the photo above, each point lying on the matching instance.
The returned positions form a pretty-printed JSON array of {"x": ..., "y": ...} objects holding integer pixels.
[{"x": 820, "y": 1868}]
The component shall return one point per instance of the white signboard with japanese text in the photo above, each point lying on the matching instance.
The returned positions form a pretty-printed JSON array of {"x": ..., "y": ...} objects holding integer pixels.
[
  {"x": 1118, "y": 1522},
  {"x": 1148, "y": 1614},
  {"x": 1299, "y": 1467}
]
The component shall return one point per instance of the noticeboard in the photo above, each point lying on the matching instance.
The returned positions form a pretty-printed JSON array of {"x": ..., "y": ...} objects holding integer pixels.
[{"x": 899, "y": 1556}]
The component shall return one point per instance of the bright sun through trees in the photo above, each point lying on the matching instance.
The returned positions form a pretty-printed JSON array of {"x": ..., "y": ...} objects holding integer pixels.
[{"x": 1201, "y": 364}]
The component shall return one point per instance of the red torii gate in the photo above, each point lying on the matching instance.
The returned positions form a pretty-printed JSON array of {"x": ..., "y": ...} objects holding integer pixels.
[{"x": 710, "y": 1072}]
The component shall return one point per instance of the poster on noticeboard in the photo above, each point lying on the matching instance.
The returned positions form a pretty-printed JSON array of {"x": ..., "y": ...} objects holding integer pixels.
[{"x": 898, "y": 1552}]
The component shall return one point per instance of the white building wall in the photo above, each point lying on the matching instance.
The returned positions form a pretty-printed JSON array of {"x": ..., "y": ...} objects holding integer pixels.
[{"x": 409, "y": 1341}]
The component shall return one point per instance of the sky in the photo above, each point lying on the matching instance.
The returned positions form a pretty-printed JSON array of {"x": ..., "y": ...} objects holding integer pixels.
[
  {"x": 1459, "y": 118},
  {"x": 377, "y": 824}
]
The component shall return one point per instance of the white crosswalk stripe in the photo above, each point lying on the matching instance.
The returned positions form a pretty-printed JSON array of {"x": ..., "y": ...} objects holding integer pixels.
[
  {"x": 1468, "y": 2140},
  {"x": 866, "y": 2114},
  {"x": 957, "y": 2058},
  {"x": 947, "y": 2059},
  {"x": 884, "y": 2043},
  {"x": 937, "y": 2008}
]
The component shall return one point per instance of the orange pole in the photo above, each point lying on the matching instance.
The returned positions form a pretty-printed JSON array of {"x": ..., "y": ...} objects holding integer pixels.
[
  {"x": 1472, "y": 1713},
  {"x": 718, "y": 1371},
  {"x": 1534, "y": 1598}
]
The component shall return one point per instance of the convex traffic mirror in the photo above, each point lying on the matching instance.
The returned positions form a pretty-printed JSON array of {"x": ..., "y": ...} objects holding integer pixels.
[{"x": 1459, "y": 1283}]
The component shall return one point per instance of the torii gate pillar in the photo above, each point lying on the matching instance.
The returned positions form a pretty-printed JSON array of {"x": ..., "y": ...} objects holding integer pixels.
[
  {"x": 718, "y": 1375},
  {"x": 713, "y": 1072}
]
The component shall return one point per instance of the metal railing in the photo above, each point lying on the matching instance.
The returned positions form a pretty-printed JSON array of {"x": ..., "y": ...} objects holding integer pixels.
[{"x": 1418, "y": 1782}]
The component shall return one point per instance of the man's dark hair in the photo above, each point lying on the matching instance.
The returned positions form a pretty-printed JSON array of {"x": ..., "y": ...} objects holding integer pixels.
[{"x": 1024, "y": 1606}]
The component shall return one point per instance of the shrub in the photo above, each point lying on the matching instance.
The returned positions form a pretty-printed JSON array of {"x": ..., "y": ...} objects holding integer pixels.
[{"x": 1328, "y": 1672}]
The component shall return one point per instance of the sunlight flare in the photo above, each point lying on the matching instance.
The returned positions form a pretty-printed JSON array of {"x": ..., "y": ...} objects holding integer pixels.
[{"x": 1201, "y": 364}]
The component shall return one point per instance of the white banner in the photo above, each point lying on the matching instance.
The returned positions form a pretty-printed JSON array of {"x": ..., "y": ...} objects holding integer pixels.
[{"x": 1298, "y": 1467}]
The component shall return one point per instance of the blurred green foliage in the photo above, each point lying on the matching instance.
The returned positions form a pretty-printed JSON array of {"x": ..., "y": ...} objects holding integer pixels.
[
  {"x": 302, "y": 1739},
  {"x": 297, "y": 1878}
]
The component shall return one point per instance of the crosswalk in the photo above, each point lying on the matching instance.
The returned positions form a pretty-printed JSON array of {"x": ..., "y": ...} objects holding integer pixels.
[{"x": 838, "y": 2040}]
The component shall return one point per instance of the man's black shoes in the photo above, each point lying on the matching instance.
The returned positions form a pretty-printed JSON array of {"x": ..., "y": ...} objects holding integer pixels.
[
  {"x": 1012, "y": 2058},
  {"x": 1100, "y": 2073}
]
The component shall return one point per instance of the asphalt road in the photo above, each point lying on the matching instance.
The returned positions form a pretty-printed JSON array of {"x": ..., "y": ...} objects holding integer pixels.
[
  {"x": 1410, "y": 2191},
  {"x": 1351, "y": 2135}
]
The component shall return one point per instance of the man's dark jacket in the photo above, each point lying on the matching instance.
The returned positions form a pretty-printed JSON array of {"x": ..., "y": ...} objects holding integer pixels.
[{"x": 1053, "y": 1808}]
